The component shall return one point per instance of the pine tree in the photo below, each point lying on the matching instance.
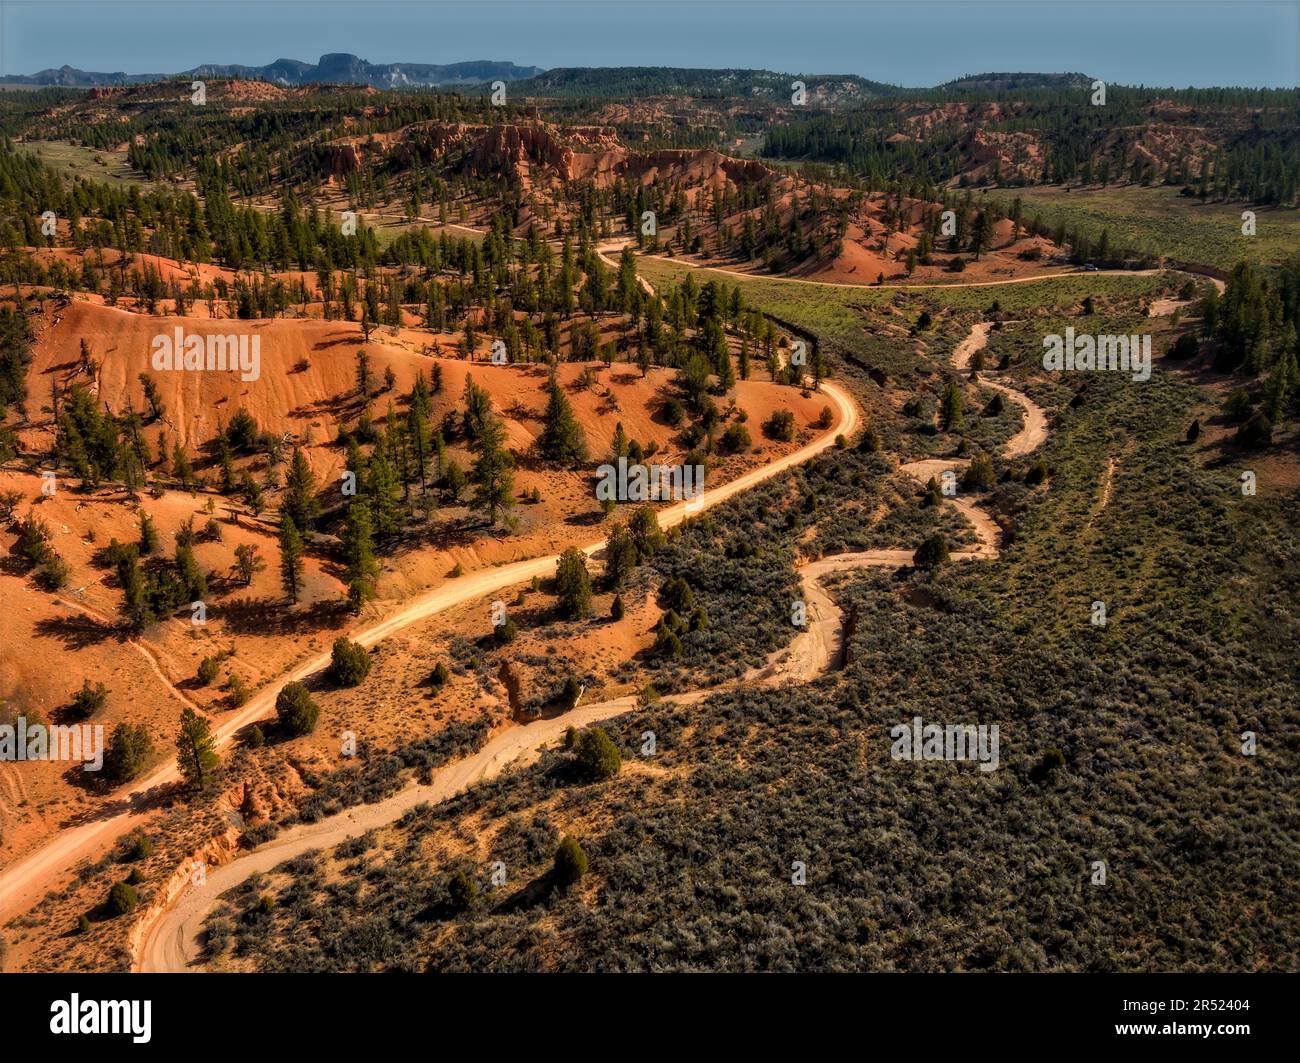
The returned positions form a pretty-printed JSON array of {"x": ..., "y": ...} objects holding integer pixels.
[
  {"x": 454, "y": 479},
  {"x": 950, "y": 410},
  {"x": 417, "y": 429},
  {"x": 619, "y": 444},
  {"x": 253, "y": 497},
  {"x": 363, "y": 375},
  {"x": 981, "y": 234},
  {"x": 148, "y": 534},
  {"x": 620, "y": 557},
  {"x": 156, "y": 407},
  {"x": 381, "y": 484},
  {"x": 478, "y": 409},
  {"x": 181, "y": 467},
  {"x": 1281, "y": 386},
  {"x": 247, "y": 562},
  {"x": 227, "y": 459},
  {"x": 629, "y": 288},
  {"x": 300, "y": 501},
  {"x": 196, "y": 755},
  {"x": 494, "y": 481},
  {"x": 135, "y": 604},
  {"x": 291, "y": 564},
  {"x": 573, "y": 584},
  {"x": 359, "y": 554},
  {"x": 191, "y": 576},
  {"x": 562, "y": 439}
]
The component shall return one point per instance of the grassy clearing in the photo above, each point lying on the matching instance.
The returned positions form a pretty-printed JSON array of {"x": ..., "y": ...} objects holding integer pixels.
[
  {"x": 73, "y": 160},
  {"x": 869, "y": 325},
  {"x": 1159, "y": 221}
]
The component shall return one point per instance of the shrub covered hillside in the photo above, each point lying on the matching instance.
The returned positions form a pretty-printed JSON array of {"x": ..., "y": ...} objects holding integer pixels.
[{"x": 1119, "y": 744}]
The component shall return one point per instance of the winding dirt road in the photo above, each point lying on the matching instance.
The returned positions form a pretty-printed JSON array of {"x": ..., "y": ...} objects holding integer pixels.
[
  {"x": 821, "y": 646},
  {"x": 619, "y": 243},
  {"x": 171, "y": 941},
  {"x": 24, "y": 882},
  {"x": 1033, "y": 433}
]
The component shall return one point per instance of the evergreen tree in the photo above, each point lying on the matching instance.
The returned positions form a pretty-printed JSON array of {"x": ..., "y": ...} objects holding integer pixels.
[
  {"x": 596, "y": 754},
  {"x": 349, "y": 662},
  {"x": 291, "y": 563},
  {"x": 981, "y": 233},
  {"x": 181, "y": 467},
  {"x": 300, "y": 500},
  {"x": 979, "y": 475},
  {"x": 383, "y": 490},
  {"x": 562, "y": 439},
  {"x": 933, "y": 493},
  {"x": 192, "y": 577},
  {"x": 148, "y": 534},
  {"x": 129, "y": 748},
  {"x": 247, "y": 562},
  {"x": 296, "y": 710},
  {"x": 135, "y": 605},
  {"x": 417, "y": 429},
  {"x": 950, "y": 409},
  {"x": 196, "y": 754},
  {"x": 494, "y": 481},
  {"x": 359, "y": 553},
  {"x": 573, "y": 584},
  {"x": 363, "y": 374},
  {"x": 621, "y": 557},
  {"x": 644, "y": 531},
  {"x": 455, "y": 480},
  {"x": 570, "y": 861},
  {"x": 932, "y": 553},
  {"x": 478, "y": 409}
]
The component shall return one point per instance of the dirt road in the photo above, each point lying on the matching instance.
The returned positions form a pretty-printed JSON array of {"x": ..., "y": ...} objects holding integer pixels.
[
  {"x": 171, "y": 941},
  {"x": 24, "y": 882},
  {"x": 614, "y": 246},
  {"x": 1033, "y": 433},
  {"x": 820, "y": 646}
]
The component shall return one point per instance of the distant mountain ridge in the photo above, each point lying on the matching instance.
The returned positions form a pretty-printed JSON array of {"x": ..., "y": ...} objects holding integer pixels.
[
  {"x": 335, "y": 68},
  {"x": 700, "y": 82},
  {"x": 343, "y": 68},
  {"x": 1017, "y": 82}
]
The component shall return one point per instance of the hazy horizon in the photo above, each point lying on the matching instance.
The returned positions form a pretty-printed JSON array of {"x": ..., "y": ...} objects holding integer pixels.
[{"x": 1155, "y": 43}]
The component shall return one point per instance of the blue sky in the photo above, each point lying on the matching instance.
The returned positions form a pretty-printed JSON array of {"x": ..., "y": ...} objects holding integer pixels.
[{"x": 921, "y": 42}]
